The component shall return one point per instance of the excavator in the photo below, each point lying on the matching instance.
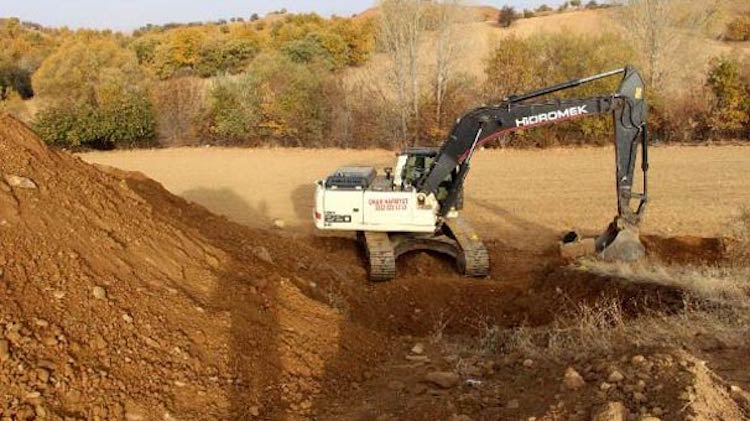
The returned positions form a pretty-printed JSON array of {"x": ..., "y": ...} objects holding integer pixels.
[{"x": 416, "y": 204}]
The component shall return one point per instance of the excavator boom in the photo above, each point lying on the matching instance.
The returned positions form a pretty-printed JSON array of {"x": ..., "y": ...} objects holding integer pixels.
[{"x": 516, "y": 113}]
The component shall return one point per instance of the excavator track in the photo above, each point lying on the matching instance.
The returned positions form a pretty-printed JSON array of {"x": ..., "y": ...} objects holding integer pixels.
[
  {"x": 472, "y": 259},
  {"x": 380, "y": 255}
]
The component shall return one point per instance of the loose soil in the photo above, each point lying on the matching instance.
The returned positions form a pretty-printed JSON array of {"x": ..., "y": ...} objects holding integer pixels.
[{"x": 120, "y": 300}]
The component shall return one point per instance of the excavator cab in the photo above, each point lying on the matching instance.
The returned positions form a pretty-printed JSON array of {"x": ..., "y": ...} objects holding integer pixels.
[{"x": 417, "y": 161}]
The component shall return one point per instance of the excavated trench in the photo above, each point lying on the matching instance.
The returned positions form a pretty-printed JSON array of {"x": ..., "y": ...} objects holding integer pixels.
[{"x": 529, "y": 288}]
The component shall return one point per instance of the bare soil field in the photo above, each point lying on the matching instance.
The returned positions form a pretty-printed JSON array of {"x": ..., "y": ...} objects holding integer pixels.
[
  {"x": 519, "y": 195},
  {"x": 121, "y": 300}
]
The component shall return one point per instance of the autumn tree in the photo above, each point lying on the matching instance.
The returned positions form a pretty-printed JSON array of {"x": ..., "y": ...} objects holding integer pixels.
[
  {"x": 660, "y": 30},
  {"x": 401, "y": 26},
  {"x": 444, "y": 20},
  {"x": 94, "y": 94},
  {"x": 179, "y": 52},
  {"x": 731, "y": 112}
]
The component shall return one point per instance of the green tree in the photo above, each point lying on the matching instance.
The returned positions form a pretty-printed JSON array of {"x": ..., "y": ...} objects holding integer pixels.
[
  {"x": 234, "y": 109},
  {"x": 225, "y": 55}
]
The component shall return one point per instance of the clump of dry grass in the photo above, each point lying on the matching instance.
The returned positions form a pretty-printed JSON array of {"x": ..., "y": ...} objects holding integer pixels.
[
  {"x": 726, "y": 284},
  {"x": 604, "y": 329},
  {"x": 743, "y": 224},
  {"x": 715, "y": 306}
]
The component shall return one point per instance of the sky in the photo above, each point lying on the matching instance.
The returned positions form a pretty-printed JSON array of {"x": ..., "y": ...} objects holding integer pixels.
[{"x": 126, "y": 15}]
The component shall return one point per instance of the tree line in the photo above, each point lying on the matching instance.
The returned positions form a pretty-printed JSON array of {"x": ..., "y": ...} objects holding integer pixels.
[{"x": 395, "y": 78}]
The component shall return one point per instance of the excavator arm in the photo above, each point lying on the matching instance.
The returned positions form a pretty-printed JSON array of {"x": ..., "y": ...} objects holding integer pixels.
[{"x": 516, "y": 113}]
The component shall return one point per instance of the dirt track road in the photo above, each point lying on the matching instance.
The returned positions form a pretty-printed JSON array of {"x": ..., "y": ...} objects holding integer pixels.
[{"x": 529, "y": 195}]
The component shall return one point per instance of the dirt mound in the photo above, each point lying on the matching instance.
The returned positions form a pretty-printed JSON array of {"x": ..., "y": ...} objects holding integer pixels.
[
  {"x": 119, "y": 300},
  {"x": 122, "y": 302}
]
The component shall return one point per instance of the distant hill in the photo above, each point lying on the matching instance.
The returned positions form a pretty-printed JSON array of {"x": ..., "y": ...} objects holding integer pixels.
[{"x": 482, "y": 13}]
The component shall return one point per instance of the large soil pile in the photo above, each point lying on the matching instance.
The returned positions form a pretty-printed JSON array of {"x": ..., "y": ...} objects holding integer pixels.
[
  {"x": 119, "y": 300},
  {"x": 117, "y": 305}
]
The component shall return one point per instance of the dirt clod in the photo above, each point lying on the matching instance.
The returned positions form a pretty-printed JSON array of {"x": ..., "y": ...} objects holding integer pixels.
[
  {"x": 572, "y": 380},
  {"x": 4, "y": 350},
  {"x": 20, "y": 182},
  {"x": 612, "y": 411},
  {"x": 444, "y": 379},
  {"x": 99, "y": 293},
  {"x": 615, "y": 377}
]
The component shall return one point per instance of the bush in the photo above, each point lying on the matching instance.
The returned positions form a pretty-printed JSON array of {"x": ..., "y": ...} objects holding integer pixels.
[
  {"x": 234, "y": 110},
  {"x": 123, "y": 123},
  {"x": 507, "y": 16},
  {"x": 543, "y": 9},
  {"x": 16, "y": 106},
  {"x": 731, "y": 112},
  {"x": 738, "y": 29},
  {"x": 225, "y": 56},
  {"x": 528, "y": 13},
  {"x": 15, "y": 79},
  {"x": 278, "y": 101},
  {"x": 95, "y": 95},
  {"x": 179, "y": 106},
  {"x": 179, "y": 53}
]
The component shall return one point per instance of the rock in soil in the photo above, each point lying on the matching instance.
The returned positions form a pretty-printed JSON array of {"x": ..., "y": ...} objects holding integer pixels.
[
  {"x": 444, "y": 379},
  {"x": 20, "y": 182},
  {"x": 572, "y": 380},
  {"x": 99, "y": 293},
  {"x": 615, "y": 377},
  {"x": 4, "y": 351},
  {"x": 612, "y": 411}
]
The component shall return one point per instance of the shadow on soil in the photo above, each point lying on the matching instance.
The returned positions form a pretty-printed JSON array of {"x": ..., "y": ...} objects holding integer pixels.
[
  {"x": 228, "y": 203},
  {"x": 254, "y": 332}
]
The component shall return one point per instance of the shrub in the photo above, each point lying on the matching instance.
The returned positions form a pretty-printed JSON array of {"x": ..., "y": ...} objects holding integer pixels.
[
  {"x": 543, "y": 9},
  {"x": 738, "y": 29},
  {"x": 528, "y": 13},
  {"x": 278, "y": 101},
  {"x": 234, "y": 110},
  {"x": 507, "y": 16},
  {"x": 225, "y": 56},
  {"x": 90, "y": 69},
  {"x": 299, "y": 100},
  {"x": 15, "y": 79},
  {"x": 15, "y": 105},
  {"x": 680, "y": 118},
  {"x": 731, "y": 112},
  {"x": 306, "y": 49},
  {"x": 179, "y": 105},
  {"x": 95, "y": 95},
  {"x": 126, "y": 122},
  {"x": 179, "y": 53}
]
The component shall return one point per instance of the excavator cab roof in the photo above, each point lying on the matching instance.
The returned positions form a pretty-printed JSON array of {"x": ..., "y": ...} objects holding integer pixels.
[{"x": 420, "y": 151}]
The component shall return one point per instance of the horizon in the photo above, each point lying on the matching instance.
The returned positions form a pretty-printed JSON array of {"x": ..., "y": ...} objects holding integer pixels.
[{"x": 128, "y": 16}]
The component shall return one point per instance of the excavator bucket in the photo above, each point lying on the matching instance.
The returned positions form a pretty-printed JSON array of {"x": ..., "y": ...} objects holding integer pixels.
[{"x": 620, "y": 243}]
